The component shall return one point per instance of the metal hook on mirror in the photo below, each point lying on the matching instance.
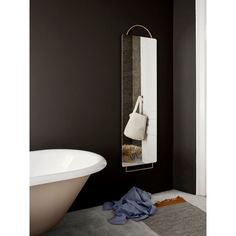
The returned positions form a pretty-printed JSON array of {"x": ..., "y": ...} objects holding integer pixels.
[{"x": 141, "y": 26}]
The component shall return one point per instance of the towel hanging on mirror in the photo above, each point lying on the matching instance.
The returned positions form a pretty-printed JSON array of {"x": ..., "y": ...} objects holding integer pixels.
[{"x": 136, "y": 126}]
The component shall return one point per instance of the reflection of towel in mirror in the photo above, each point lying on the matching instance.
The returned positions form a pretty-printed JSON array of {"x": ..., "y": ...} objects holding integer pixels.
[{"x": 135, "y": 205}]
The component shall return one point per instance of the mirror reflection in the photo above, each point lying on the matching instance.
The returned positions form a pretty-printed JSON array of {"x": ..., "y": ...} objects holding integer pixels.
[{"x": 139, "y": 105}]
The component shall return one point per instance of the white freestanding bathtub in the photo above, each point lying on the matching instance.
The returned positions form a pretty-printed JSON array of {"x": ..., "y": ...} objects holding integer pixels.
[{"x": 56, "y": 178}]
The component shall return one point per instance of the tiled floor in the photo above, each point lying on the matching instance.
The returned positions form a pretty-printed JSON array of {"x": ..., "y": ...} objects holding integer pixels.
[{"x": 93, "y": 221}]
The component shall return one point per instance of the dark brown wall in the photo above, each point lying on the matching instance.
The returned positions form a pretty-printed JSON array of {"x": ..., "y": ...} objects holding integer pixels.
[
  {"x": 75, "y": 86},
  {"x": 184, "y": 96}
]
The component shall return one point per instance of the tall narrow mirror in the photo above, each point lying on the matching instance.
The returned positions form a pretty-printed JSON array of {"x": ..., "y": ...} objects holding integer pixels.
[{"x": 139, "y": 86}]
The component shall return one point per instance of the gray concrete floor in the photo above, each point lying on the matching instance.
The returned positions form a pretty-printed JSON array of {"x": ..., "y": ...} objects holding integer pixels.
[{"x": 93, "y": 221}]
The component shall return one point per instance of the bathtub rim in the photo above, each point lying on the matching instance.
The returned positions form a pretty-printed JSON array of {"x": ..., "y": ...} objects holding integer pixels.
[{"x": 66, "y": 175}]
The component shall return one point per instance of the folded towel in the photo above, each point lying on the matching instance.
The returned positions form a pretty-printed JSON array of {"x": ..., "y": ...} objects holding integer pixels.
[{"x": 135, "y": 204}]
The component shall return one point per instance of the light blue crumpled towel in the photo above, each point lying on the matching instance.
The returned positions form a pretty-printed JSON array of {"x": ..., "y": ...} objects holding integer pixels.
[{"x": 135, "y": 204}]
